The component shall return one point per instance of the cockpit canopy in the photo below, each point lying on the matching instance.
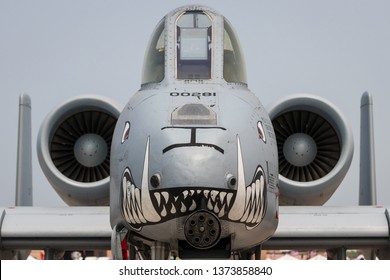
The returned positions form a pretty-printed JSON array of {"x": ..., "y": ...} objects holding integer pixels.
[
  {"x": 193, "y": 41},
  {"x": 154, "y": 61},
  {"x": 201, "y": 49}
]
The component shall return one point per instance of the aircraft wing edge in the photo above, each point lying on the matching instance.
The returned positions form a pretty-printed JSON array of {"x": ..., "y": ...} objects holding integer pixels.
[
  {"x": 299, "y": 227},
  {"x": 330, "y": 227},
  {"x": 59, "y": 228}
]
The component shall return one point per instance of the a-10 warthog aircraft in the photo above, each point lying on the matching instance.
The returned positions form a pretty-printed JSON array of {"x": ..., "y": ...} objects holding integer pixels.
[{"x": 194, "y": 166}]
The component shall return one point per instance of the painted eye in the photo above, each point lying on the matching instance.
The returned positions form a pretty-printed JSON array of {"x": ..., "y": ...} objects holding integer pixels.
[
  {"x": 126, "y": 132},
  {"x": 260, "y": 130}
]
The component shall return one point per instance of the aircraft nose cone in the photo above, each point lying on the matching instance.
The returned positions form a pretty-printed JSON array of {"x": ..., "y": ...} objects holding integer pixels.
[
  {"x": 90, "y": 150},
  {"x": 300, "y": 149}
]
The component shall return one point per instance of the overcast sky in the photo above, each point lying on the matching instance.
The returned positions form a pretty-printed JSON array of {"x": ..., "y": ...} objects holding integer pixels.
[{"x": 56, "y": 50}]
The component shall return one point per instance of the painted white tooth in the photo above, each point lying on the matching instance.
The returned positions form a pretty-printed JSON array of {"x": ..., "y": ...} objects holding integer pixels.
[
  {"x": 173, "y": 209},
  {"x": 138, "y": 206},
  {"x": 254, "y": 202},
  {"x": 127, "y": 216},
  {"x": 244, "y": 217},
  {"x": 136, "y": 218},
  {"x": 134, "y": 209},
  {"x": 209, "y": 205},
  {"x": 229, "y": 198},
  {"x": 193, "y": 206},
  {"x": 258, "y": 219},
  {"x": 176, "y": 197},
  {"x": 247, "y": 205},
  {"x": 157, "y": 195},
  {"x": 221, "y": 213},
  {"x": 148, "y": 210},
  {"x": 206, "y": 193},
  {"x": 248, "y": 199},
  {"x": 185, "y": 194},
  {"x": 198, "y": 191},
  {"x": 214, "y": 195},
  {"x": 166, "y": 196},
  {"x": 125, "y": 202},
  {"x": 259, "y": 192},
  {"x": 125, "y": 192},
  {"x": 126, "y": 213},
  {"x": 262, "y": 186},
  {"x": 238, "y": 208},
  {"x": 257, "y": 204},
  {"x": 130, "y": 218},
  {"x": 130, "y": 213},
  {"x": 260, "y": 216},
  {"x": 256, "y": 197},
  {"x": 216, "y": 209},
  {"x": 253, "y": 195},
  {"x": 261, "y": 199},
  {"x": 183, "y": 208},
  {"x": 136, "y": 199},
  {"x": 261, "y": 189},
  {"x": 251, "y": 215},
  {"x": 131, "y": 198},
  {"x": 254, "y": 216},
  {"x": 127, "y": 205},
  {"x": 129, "y": 188},
  {"x": 222, "y": 196},
  {"x": 163, "y": 212},
  {"x": 192, "y": 192},
  {"x": 124, "y": 182}
]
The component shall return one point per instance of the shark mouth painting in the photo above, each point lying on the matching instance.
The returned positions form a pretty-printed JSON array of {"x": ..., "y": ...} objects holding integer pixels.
[{"x": 142, "y": 207}]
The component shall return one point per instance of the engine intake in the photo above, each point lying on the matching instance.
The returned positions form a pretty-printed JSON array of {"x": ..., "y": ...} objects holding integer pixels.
[
  {"x": 315, "y": 148},
  {"x": 74, "y": 145}
]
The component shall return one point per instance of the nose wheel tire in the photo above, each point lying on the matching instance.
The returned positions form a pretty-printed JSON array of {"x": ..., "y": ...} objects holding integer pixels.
[{"x": 202, "y": 230}]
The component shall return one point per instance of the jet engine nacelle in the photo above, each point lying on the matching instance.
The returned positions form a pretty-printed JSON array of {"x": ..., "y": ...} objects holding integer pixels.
[
  {"x": 315, "y": 148},
  {"x": 74, "y": 144}
]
